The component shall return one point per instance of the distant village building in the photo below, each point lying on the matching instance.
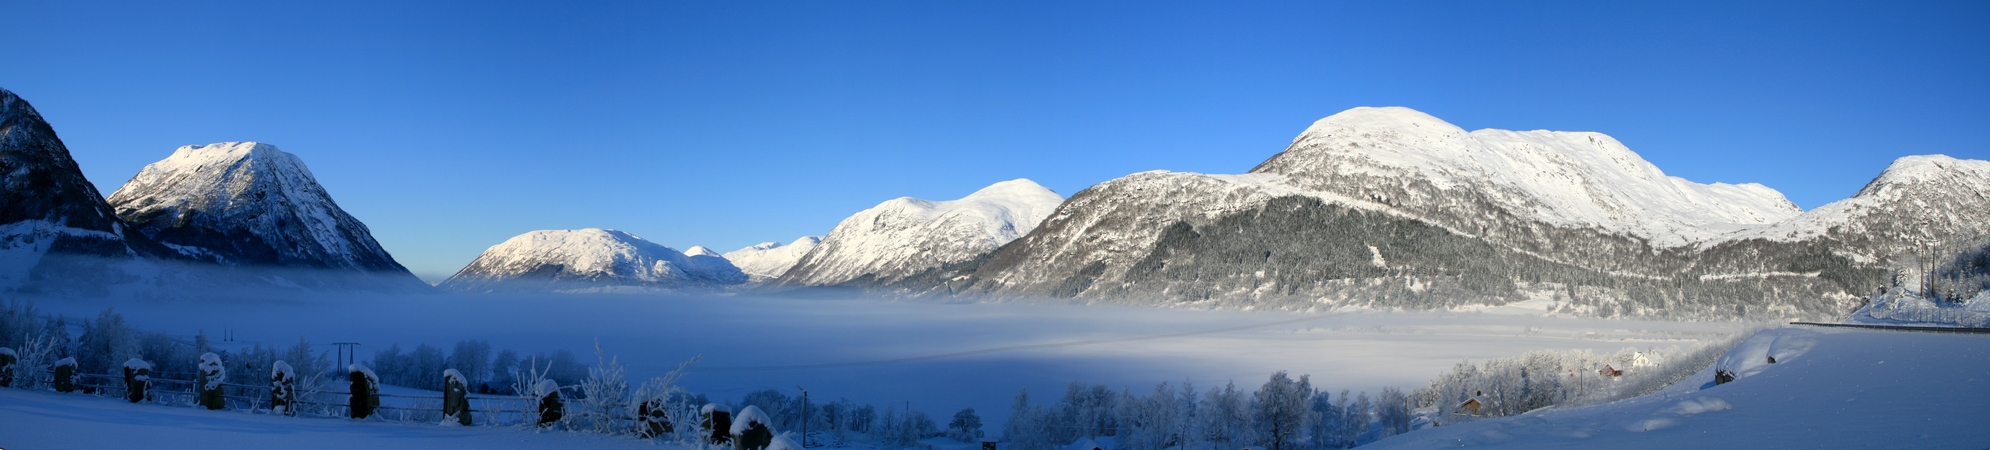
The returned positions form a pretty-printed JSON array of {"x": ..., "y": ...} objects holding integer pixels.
[{"x": 1609, "y": 371}]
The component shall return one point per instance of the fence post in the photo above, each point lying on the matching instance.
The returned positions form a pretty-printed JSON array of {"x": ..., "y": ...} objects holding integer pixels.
[
  {"x": 7, "y": 360},
  {"x": 137, "y": 375},
  {"x": 209, "y": 385},
  {"x": 65, "y": 375},
  {"x": 548, "y": 393},
  {"x": 282, "y": 389},
  {"x": 365, "y": 390},
  {"x": 716, "y": 421},
  {"x": 455, "y": 396},
  {"x": 751, "y": 430}
]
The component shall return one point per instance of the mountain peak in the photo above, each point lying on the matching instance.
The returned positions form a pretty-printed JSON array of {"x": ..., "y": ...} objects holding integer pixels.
[
  {"x": 771, "y": 259},
  {"x": 1413, "y": 162},
  {"x": 247, "y": 203},
  {"x": 587, "y": 259},
  {"x": 902, "y": 237},
  {"x": 1916, "y": 169}
]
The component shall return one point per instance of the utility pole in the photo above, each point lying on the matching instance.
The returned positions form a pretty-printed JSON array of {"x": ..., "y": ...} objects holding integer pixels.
[
  {"x": 347, "y": 353},
  {"x": 804, "y": 416}
]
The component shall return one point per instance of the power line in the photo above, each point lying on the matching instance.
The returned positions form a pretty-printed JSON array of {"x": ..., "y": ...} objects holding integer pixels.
[{"x": 1010, "y": 348}]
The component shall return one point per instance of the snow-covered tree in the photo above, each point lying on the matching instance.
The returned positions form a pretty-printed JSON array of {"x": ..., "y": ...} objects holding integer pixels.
[
  {"x": 966, "y": 426},
  {"x": 1280, "y": 409},
  {"x": 1225, "y": 418}
]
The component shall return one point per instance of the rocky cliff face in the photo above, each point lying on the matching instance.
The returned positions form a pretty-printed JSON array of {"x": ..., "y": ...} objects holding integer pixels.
[
  {"x": 590, "y": 260},
  {"x": 56, "y": 231}
]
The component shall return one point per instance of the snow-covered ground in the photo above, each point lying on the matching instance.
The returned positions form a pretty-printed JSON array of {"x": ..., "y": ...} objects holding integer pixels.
[
  {"x": 1828, "y": 388},
  {"x": 740, "y": 336},
  {"x": 52, "y": 421}
]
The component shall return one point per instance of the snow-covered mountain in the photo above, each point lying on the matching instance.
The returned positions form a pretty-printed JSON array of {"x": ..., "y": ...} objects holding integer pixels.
[
  {"x": 1413, "y": 162},
  {"x": 908, "y": 236},
  {"x": 768, "y": 260},
  {"x": 247, "y": 204},
  {"x": 1389, "y": 207},
  {"x": 590, "y": 260},
  {"x": 56, "y": 231}
]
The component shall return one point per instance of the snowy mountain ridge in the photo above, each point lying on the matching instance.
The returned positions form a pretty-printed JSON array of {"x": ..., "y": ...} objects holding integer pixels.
[
  {"x": 1389, "y": 207},
  {"x": 1569, "y": 179},
  {"x": 565, "y": 260},
  {"x": 905, "y": 236},
  {"x": 770, "y": 259},
  {"x": 1900, "y": 192},
  {"x": 247, "y": 203}
]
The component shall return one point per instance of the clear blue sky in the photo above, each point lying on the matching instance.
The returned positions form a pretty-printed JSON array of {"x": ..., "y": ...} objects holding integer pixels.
[{"x": 448, "y": 128}]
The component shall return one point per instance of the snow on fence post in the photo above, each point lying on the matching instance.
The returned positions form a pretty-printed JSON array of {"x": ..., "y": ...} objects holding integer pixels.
[
  {"x": 455, "y": 397},
  {"x": 716, "y": 422},
  {"x": 752, "y": 430},
  {"x": 548, "y": 394},
  {"x": 137, "y": 376},
  {"x": 7, "y": 360},
  {"x": 365, "y": 390},
  {"x": 282, "y": 389},
  {"x": 65, "y": 375},
  {"x": 208, "y": 387}
]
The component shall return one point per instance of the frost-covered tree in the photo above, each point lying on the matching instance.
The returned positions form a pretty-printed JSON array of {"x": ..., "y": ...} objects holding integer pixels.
[
  {"x": 1392, "y": 409},
  {"x": 966, "y": 426},
  {"x": 1225, "y": 418},
  {"x": 473, "y": 359},
  {"x": 1029, "y": 426},
  {"x": 1281, "y": 409},
  {"x": 1089, "y": 409},
  {"x": 106, "y": 343}
]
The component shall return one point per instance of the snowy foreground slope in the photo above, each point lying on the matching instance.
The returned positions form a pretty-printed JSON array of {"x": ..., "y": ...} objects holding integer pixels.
[
  {"x": 1829, "y": 388},
  {"x": 51, "y": 421},
  {"x": 589, "y": 259}
]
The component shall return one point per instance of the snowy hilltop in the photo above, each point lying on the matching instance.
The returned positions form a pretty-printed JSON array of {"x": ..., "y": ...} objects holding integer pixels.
[
  {"x": 768, "y": 260},
  {"x": 248, "y": 204},
  {"x": 590, "y": 260},
  {"x": 908, "y": 236},
  {"x": 1390, "y": 207},
  {"x": 54, "y": 227}
]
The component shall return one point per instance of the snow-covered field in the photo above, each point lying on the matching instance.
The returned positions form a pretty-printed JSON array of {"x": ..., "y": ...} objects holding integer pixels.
[
  {"x": 1829, "y": 388},
  {"x": 1038, "y": 346}
]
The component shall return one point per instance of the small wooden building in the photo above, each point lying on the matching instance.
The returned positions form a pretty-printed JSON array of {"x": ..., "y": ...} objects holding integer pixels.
[{"x": 1471, "y": 405}]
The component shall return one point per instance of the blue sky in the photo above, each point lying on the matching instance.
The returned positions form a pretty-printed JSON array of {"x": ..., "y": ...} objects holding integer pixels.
[{"x": 449, "y": 127}]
